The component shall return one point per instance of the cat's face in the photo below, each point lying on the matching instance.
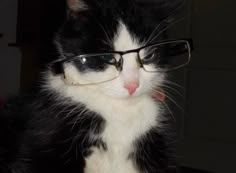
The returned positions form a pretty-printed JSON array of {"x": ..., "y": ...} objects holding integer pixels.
[{"x": 101, "y": 26}]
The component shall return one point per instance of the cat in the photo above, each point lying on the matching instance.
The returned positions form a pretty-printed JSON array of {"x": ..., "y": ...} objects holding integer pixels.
[{"x": 90, "y": 116}]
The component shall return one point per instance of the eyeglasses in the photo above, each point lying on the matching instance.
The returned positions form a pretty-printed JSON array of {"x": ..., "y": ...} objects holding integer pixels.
[{"x": 102, "y": 67}]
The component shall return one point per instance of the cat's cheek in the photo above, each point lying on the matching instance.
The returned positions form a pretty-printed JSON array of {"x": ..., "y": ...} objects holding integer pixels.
[
  {"x": 113, "y": 89},
  {"x": 119, "y": 93}
]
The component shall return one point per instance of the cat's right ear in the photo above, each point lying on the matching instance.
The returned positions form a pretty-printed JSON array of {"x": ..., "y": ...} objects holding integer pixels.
[{"x": 76, "y": 5}]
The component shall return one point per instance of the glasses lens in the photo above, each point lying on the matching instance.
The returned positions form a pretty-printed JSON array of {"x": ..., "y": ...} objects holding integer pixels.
[
  {"x": 91, "y": 69},
  {"x": 165, "y": 56}
]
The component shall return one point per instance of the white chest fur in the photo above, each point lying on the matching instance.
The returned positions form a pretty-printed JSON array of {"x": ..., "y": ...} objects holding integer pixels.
[
  {"x": 126, "y": 121},
  {"x": 123, "y": 127},
  {"x": 109, "y": 162}
]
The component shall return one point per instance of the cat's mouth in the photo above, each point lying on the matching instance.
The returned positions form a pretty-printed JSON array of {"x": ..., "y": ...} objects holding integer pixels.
[{"x": 158, "y": 94}]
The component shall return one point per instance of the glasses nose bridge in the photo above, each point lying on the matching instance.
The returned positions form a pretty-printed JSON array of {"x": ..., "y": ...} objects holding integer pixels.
[
  {"x": 129, "y": 51},
  {"x": 121, "y": 61}
]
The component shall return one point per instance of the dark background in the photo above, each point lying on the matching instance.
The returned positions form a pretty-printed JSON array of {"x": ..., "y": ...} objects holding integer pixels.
[{"x": 206, "y": 125}]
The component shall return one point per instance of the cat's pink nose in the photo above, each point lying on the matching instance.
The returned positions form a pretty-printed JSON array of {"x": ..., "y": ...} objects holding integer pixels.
[{"x": 131, "y": 87}]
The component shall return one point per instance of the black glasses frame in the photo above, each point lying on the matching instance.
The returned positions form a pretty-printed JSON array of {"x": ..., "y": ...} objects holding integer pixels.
[{"x": 58, "y": 65}]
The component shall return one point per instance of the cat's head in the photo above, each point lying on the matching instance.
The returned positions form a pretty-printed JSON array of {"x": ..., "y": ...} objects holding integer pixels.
[{"x": 94, "y": 28}]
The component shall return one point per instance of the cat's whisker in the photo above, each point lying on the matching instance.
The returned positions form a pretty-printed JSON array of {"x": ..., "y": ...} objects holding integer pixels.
[
  {"x": 106, "y": 42},
  {"x": 171, "y": 89},
  {"x": 166, "y": 28},
  {"x": 167, "y": 20},
  {"x": 174, "y": 83},
  {"x": 109, "y": 39},
  {"x": 168, "y": 109},
  {"x": 153, "y": 32}
]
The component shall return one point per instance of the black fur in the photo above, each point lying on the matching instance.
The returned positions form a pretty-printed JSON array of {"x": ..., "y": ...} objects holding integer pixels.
[
  {"x": 42, "y": 133},
  {"x": 83, "y": 31}
]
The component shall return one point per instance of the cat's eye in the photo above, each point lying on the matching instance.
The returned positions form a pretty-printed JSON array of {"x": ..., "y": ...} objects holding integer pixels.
[
  {"x": 91, "y": 68},
  {"x": 95, "y": 60},
  {"x": 150, "y": 57},
  {"x": 108, "y": 58},
  {"x": 103, "y": 67},
  {"x": 165, "y": 56}
]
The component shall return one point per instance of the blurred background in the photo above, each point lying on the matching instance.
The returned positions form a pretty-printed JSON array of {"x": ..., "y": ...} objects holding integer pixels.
[{"x": 205, "y": 91}]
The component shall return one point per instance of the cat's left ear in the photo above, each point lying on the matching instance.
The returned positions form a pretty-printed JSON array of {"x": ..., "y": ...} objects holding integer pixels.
[{"x": 76, "y": 5}]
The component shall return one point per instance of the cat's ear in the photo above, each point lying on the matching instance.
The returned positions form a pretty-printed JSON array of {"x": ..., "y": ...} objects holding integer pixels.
[{"x": 76, "y": 5}]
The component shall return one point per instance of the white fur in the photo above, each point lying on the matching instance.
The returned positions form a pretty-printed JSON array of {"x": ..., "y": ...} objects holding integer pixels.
[
  {"x": 127, "y": 117},
  {"x": 123, "y": 42},
  {"x": 74, "y": 76}
]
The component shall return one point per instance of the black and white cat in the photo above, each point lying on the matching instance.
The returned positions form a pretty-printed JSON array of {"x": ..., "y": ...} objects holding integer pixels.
[{"x": 81, "y": 123}]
